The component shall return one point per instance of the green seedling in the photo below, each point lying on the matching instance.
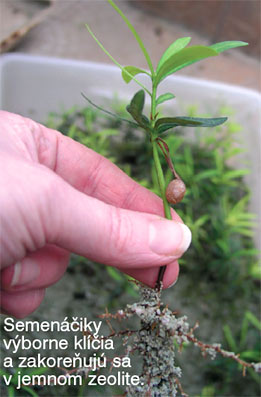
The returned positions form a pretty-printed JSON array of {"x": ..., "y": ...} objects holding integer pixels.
[{"x": 176, "y": 57}]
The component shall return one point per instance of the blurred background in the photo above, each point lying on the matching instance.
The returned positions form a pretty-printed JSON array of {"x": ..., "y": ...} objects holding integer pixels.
[{"x": 56, "y": 28}]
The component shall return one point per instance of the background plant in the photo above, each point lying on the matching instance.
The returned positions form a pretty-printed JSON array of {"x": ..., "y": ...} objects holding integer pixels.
[{"x": 225, "y": 292}]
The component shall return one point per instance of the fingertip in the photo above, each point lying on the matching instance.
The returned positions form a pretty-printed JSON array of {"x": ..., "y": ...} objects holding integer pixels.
[{"x": 171, "y": 275}]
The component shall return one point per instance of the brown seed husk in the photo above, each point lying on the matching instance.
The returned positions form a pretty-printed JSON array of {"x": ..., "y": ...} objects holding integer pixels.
[{"x": 175, "y": 191}]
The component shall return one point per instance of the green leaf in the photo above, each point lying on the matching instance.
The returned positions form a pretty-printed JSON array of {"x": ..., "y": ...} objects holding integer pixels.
[
  {"x": 128, "y": 72},
  {"x": 244, "y": 331},
  {"x": 207, "y": 174},
  {"x": 111, "y": 57},
  {"x": 101, "y": 46},
  {"x": 135, "y": 34},
  {"x": 236, "y": 173},
  {"x": 246, "y": 252},
  {"x": 137, "y": 102},
  {"x": 229, "y": 338},
  {"x": 107, "y": 112},
  {"x": 114, "y": 273},
  {"x": 11, "y": 391},
  {"x": 203, "y": 219},
  {"x": 252, "y": 355},
  {"x": 227, "y": 45},
  {"x": 166, "y": 123},
  {"x": 253, "y": 320},
  {"x": 135, "y": 108},
  {"x": 175, "y": 47},
  {"x": 15, "y": 377},
  {"x": 183, "y": 58},
  {"x": 164, "y": 97}
]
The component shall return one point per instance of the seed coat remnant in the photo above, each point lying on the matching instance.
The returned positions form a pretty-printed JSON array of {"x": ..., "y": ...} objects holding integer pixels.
[{"x": 175, "y": 191}]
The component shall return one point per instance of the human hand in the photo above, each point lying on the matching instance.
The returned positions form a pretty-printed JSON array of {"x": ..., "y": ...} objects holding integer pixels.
[{"x": 58, "y": 197}]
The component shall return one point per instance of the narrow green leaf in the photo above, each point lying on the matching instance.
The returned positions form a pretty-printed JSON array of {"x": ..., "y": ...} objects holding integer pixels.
[
  {"x": 107, "y": 112},
  {"x": 164, "y": 97},
  {"x": 236, "y": 173},
  {"x": 183, "y": 58},
  {"x": 244, "y": 331},
  {"x": 135, "y": 34},
  {"x": 229, "y": 338},
  {"x": 208, "y": 174},
  {"x": 203, "y": 219},
  {"x": 246, "y": 252},
  {"x": 227, "y": 45},
  {"x": 251, "y": 355},
  {"x": 11, "y": 391},
  {"x": 166, "y": 123},
  {"x": 243, "y": 231},
  {"x": 111, "y": 57},
  {"x": 135, "y": 108},
  {"x": 114, "y": 273},
  {"x": 101, "y": 46},
  {"x": 128, "y": 72},
  {"x": 175, "y": 47},
  {"x": 253, "y": 320},
  {"x": 15, "y": 377}
]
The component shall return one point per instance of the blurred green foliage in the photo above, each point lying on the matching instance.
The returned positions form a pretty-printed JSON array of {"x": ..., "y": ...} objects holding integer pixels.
[
  {"x": 215, "y": 206},
  {"x": 222, "y": 256},
  {"x": 245, "y": 342}
]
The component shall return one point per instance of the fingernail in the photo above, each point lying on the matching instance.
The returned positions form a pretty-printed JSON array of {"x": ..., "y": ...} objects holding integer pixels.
[
  {"x": 169, "y": 237},
  {"x": 174, "y": 282},
  {"x": 24, "y": 272}
]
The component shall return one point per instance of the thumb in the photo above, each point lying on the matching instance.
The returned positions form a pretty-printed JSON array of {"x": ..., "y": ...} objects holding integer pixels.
[{"x": 118, "y": 237}]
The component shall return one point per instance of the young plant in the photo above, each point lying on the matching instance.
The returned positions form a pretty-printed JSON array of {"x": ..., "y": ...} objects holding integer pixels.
[
  {"x": 177, "y": 56},
  {"x": 159, "y": 325}
]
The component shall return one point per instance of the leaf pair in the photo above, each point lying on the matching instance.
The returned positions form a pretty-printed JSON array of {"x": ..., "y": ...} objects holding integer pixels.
[{"x": 177, "y": 57}]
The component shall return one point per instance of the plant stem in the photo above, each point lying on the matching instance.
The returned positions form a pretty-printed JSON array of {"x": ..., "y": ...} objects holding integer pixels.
[
  {"x": 160, "y": 175},
  {"x": 161, "y": 179}
]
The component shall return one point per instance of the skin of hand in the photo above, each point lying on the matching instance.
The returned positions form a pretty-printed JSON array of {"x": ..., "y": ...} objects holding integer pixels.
[{"x": 57, "y": 197}]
